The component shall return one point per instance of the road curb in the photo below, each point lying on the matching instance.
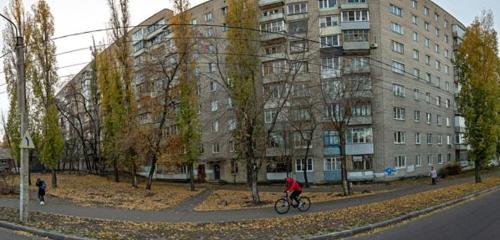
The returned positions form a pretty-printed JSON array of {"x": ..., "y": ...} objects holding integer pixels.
[
  {"x": 39, "y": 232},
  {"x": 414, "y": 214}
]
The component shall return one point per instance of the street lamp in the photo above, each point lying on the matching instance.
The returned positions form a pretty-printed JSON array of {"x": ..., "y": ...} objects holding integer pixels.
[{"x": 25, "y": 145}]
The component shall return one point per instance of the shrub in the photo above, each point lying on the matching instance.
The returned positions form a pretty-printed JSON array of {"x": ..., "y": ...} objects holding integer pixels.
[{"x": 449, "y": 170}]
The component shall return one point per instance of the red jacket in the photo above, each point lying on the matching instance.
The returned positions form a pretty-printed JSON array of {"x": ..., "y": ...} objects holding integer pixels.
[{"x": 293, "y": 185}]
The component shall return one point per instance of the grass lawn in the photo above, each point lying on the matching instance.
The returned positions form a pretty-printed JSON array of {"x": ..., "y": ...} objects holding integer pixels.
[{"x": 91, "y": 190}]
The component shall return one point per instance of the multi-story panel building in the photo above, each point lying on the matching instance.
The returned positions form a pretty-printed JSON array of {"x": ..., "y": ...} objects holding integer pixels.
[{"x": 403, "y": 50}]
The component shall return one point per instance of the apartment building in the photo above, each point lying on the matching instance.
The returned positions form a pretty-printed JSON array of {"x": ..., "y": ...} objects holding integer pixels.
[{"x": 403, "y": 49}]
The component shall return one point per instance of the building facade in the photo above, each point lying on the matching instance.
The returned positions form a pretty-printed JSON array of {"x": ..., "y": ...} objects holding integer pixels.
[{"x": 402, "y": 51}]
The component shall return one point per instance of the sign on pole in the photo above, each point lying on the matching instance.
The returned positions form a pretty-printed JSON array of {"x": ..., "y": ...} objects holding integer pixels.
[{"x": 26, "y": 141}]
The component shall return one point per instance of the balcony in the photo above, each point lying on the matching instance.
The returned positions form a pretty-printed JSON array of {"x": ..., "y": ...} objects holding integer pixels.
[
  {"x": 347, "y": 5},
  {"x": 353, "y": 46},
  {"x": 355, "y": 25},
  {"x": 271, "y": 3},
  {"x": 361, "y": 120},
  {"x": 268, "y": 36},
  {"x": 273, "y": 57},
  {"x": 272, "y": 17}
]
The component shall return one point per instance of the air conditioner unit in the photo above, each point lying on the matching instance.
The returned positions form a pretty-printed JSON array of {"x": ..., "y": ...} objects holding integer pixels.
[{"x": 374, "y": 45}]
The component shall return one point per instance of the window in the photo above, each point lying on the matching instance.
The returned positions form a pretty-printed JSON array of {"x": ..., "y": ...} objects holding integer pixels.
[
  {"x": 414, "y": 20},
  {"x": 429, "y": 159},
  {"x": 212, "y": 86},
  {"x": 356, "y": 35},
  {"x": 231, "y": 124},
  {"x": 298, "y": 46},
  {"x": 427, "y": 43},
  {"x": 297, "y": 27},
  {"x": 398, "y": 47},
  {"x": 297, "y": 8},
  {"x": 429, "y": 138},
  {"x": 428, "y": 77},
  {"x": 328, "y": 21},
  {"x": 355, "y": 16},
  {"x": 426, "y": 26},
  {"x": 447, "y": 103},
  {"x": 446, "y": 38},
  {"x": 438, "y": 100},
  {"x": 223, "y": 11},
  {"x": 397, "y": 28},
  {"x": 416, "y": 54},
  {"x": 400, "y": 161},
  {"x": 437, "y": 32},
  {"x": 327, "y": 3},
  {"x": 274, "y": 26},
  {"x": 363, "y": 162},
  {"x": 440, "y": 159},
  {"x": 398, "y": 67},
  {"x": 448, "y": 140},
  {"x": 329, "y": 41},
  {"x": 439, "y": 139},
  {"x": 416, "y": 115},
  {"x": 208, "y": 16},
  {"x": 447, "y": 69},
  {"x": 436, "y": 17},
  {"x": 300, "y": 141},
  {"x": 211, "y": 67},
  {"x": 398, "y": 113},
  {"x": 399, "y": 137},
  {"x": 361, "y": 135},
  {"x": 395, "y": 10},
  {"x": 330, "y": 138},
  {"x": 417, "y": 138},
  {"x": 416, "y": 73},
  {"x": 274, "y": 49},
  {"x": 418, "y": 160},
  {"x": 269, "y": 115},
  {"x": 215, "y": 148},
  {"x": 271, "y": 12},
  {"x": 428, "y": 97},
  {"x": 445, "y": 23},
  {"x": 398, "y": 90},
  {"x": 427, "y": 59},
  {"x": 426, "y": 11},
  {"x": 215, "y": 126},
  {"x": 301, "y": 164},
  {"x": 331, "y": 164},
  {"x": 272, "y": 67},
  {"x": 439, "y": 120},
  {"x": 436, "y": 48},
  {"x": 414, "y": 4},
  {"x": 415, "y": 36},
  {"x": 214, "y": 106},
  {"x": 416, "y": 94},
  {"x": 361, "y": 110},
  {"x": 447, "y": 121},
  {"x": 193, "y": 21},
  {"x": 329, "y": 67},
  {"x": 428, "y": 116},
  {"x": 447, "y": 86}
]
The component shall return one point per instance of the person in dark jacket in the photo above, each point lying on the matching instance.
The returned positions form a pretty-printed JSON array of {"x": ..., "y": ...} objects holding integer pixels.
[
  {"x": 41, "y": 190},
  {"x": 296, "y": 189}
]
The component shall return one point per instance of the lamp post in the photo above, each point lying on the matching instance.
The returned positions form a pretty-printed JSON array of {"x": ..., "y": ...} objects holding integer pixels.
[{"x": 21, "y": 105}]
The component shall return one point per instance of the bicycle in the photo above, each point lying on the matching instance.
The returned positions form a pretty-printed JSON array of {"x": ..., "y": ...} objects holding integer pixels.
[{"x": 283, "y": 204}]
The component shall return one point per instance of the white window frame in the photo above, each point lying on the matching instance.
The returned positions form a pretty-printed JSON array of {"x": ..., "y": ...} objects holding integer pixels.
[
  {"x": 400, "y": 161},
  {"x": 299, "y": 165},
  {"x": 331, "y": 164}
]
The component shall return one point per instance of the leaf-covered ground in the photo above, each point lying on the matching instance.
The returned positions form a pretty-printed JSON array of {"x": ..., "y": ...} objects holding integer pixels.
[
  {"x": 91, "y": 190},
  {"x": 232, "y": 199},
  {"x": 272, "y": 228}
]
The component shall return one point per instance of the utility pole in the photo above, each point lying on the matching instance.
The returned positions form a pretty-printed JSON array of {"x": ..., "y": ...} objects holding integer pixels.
[
  {"x": 26, "y": 142},
  {"x": 21, "y": 106}
]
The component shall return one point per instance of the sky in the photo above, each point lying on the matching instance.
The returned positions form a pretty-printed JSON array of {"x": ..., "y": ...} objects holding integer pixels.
[{"x": 73, "y": 16}]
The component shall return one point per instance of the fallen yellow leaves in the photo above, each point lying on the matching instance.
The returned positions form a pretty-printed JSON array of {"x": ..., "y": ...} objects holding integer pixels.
[
  {"x": 91, "y": 190},
  {"x": 232, "y": 199}
]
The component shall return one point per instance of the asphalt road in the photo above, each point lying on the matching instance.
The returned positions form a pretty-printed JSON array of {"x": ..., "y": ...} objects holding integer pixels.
[
  {"x": 6, "y": 234},
  {"x": 477, "y": 219}
]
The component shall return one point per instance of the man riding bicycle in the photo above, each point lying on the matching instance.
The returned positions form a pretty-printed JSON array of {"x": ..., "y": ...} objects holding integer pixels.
[{"x": 294, "y": 186}]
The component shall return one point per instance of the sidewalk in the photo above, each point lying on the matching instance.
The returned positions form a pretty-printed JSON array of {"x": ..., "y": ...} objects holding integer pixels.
[{"x": 184, "y": 212}]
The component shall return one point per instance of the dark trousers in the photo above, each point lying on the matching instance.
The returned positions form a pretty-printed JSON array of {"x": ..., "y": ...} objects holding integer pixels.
[
  {"x": 434, "y": 181},
  {"x": 295, "y": 196},
  {"x": 41, "y": 196}
]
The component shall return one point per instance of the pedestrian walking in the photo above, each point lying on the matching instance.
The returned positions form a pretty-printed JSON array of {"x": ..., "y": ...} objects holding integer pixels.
[
  {"x": 41, "y": 190},
  {"x": 433, "y": 175}
]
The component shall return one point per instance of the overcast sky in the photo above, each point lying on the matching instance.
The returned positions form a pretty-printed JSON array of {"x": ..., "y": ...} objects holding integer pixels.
[{"x": 73, "y": 16}]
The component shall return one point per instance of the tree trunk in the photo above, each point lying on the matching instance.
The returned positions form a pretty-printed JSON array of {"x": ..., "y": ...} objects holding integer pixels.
[
  {"x": 477, "y": 172},
  {"x": 343, "y": 166},
  {"x": 306, "y": 182},
  {"x": 54, "y": 178},
  {"x": 191, "y": 176},
  {"x": 255, "y": 190},
  {"x": 151, "y": 173},
  {"x": 115, "y": 166},
  {"x": 134, "y": 175}
]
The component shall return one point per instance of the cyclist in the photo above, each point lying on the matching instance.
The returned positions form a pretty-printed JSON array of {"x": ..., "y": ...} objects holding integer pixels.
[{"x": 294, "y": 186}]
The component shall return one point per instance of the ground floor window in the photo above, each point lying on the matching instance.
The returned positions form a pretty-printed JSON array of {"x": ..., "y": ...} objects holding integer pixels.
[
  {"x": 400, "y": 161},
  {"x": 278, "y": 165},
  {"x": 331, "y": 164},
  {"x": 362, "y": 162},
  {"x": 301, "y": 164}
]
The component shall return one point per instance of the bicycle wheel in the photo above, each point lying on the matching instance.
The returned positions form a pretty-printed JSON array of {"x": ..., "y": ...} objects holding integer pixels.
[
  {"x": 281, "y": 206},
  {"x": 306, "y": 204}
]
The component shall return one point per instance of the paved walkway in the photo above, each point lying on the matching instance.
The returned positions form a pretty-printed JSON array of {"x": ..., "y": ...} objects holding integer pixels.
[{"x": 184, "y": 212}]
